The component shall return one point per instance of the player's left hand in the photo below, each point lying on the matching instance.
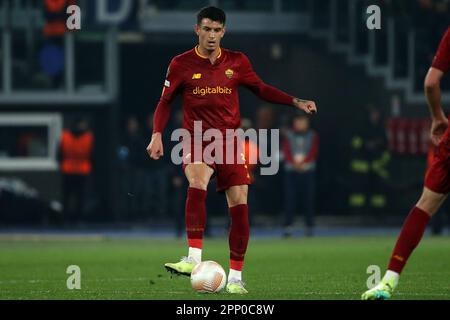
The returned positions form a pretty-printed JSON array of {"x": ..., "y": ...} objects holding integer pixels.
[{"x": 307, "y": 106}]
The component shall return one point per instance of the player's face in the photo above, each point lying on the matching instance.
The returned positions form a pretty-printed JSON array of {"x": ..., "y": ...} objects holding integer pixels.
[{"x": 210, "y": 33}]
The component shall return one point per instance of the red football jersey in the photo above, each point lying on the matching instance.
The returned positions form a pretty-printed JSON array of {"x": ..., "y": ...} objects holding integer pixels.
[
  {"x": 210, "y": 91},
  {"x": 442, "y": 59}
]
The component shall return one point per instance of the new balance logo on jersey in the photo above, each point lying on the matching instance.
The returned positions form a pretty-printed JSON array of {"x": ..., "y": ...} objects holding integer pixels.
[
  {"x": 212, "y": 90},
  {"x": 197, "y": 76}
]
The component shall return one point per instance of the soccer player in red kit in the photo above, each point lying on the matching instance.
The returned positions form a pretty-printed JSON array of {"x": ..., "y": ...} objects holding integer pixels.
[
  {"x": 208, "y": 78},
  {"x": 437, "y": 179}
]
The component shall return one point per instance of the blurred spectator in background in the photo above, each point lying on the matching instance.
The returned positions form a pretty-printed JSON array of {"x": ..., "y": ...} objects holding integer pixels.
[
  {"x": 144, "y": 183},
  {"x": 157, "y": 177},
  {"x": 300, "y": 149},
  {"x": 374, "y": 133},
  {"x": 376, "y": 148},
  {"x": 75, "y": 156},
  {"x": 133, "y": 160},
  {"x": 369, "y": 161},
  {"x": 269, "y": 199},
  {"x": 178, "y": 187},
  {"x": 265, "y": 117}
]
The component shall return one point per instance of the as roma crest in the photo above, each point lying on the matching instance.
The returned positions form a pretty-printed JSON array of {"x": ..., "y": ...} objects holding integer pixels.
[{"x": 229, "y": 73}]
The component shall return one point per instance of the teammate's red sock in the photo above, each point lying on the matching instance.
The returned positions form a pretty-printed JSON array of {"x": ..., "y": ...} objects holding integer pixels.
[
  {"x": 410, "y": 235},
  {"x": 238, "y": 236},
  {"x": 195, "y": 216}
]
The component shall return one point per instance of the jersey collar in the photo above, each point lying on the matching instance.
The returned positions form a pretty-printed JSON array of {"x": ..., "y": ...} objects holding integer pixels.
[{"x": 197, "y": 53}]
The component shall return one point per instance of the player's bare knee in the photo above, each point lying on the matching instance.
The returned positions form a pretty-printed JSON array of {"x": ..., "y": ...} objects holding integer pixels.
[
  {"x": 237, "y": 195},
  {"x": 198, "y": 183},
  {"x": 430, "y": 201},
  {"x": 236, "y": 202},
  {"x": 198, "y": 176}
]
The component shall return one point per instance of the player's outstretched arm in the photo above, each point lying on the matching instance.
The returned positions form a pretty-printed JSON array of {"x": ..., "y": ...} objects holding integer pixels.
[
  {"x": 433, "y": 93},
  {"x": 250, "y": 79},
  {"x": 306, "y": 105},
  {"x": 155, "y": 149},
  {"x": 172, "y": 86}
]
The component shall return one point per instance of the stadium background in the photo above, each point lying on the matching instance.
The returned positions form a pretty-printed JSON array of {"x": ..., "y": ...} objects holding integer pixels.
[
  {"x": 111, "y": 73},
  {"x": 112, "y": 70}
]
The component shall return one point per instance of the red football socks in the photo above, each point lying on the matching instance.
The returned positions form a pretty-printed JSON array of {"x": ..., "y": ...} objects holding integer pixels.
[
  {"x": 195, "y": 216},
  {"x": 238, "y": 236},
  {"x": 410, "y": 236}
]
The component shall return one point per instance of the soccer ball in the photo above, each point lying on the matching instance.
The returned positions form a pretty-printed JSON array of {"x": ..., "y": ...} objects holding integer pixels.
[{"x": 208, "y": 277}]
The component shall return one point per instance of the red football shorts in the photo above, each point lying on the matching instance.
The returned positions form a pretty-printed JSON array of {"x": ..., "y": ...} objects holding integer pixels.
[
  {"x": 437, "y": 178},
  {"x": 228, "y": 173}
]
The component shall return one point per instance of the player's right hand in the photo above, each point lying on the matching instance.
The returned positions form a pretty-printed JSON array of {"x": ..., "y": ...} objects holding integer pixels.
[
  {"x": 438, "y": 127},
  {"x": 155, "y": 148}
]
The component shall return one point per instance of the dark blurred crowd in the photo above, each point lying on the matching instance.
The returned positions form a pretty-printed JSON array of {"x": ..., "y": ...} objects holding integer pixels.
[
  {"x": 428, "y": 20},
  {"x": 430, "y": 17},
  {"x": 155, "y": 190}
]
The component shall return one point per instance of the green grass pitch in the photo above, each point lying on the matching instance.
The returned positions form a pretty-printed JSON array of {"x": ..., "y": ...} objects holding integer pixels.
[{"x": 316, "y": 268}]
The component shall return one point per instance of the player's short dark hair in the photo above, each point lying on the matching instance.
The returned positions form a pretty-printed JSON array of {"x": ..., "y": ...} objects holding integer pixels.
[{"x": 212, "y": 13}]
